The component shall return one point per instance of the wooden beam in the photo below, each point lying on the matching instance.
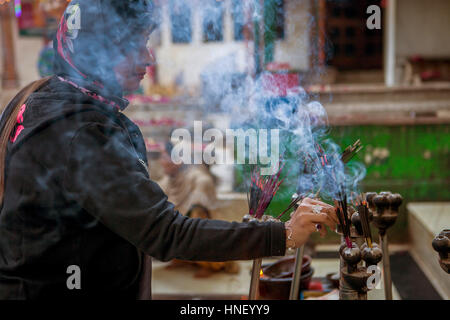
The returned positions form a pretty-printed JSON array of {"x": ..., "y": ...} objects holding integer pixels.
[
  {"x": 322, "y": 32},
  {"x": 9, "y": 79}
]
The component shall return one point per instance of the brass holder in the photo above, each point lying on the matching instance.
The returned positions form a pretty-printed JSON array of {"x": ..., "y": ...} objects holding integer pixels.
[
  {"x": 384, "y": 208},
  {"x": 354, "y": 276},
  {"x": 347, "y": 292},
  {"x": 254, "y": 280},
  {"x": 257, "y": 263},
  {"x": 294, "y": 293},
  {"x": 354, "y": 262},
  {"x": 441, "y": 244},
  {"x": 256, "y": 268}
]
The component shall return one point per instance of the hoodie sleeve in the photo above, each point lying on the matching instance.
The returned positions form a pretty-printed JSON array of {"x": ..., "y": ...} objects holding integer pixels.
[{"x": 108, "y": 180}]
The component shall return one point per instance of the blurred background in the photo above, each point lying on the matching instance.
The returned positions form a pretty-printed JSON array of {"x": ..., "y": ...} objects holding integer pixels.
[{"x": 388, "y": 86}]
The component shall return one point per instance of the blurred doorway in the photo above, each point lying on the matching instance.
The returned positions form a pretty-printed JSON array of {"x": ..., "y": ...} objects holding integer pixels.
[{"x": 350, "y": 44}]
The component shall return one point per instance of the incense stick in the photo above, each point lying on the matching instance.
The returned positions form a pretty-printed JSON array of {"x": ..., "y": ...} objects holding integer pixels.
[
  {"x": 290, "y": 206},
  {"x": 259, "y": 196},
  {"x": 351, "y": 151},
  {"x": 262, "y": 190},
  {"x": 364, "y": 215}
]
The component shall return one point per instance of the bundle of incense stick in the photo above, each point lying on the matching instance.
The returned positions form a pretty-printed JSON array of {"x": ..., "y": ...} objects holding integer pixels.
[
  {"x": 363, "y": 212},
  {"x": 341, "y": 207},
  {"x": 261, "y": 192},
  {"x": 341, "y": 211},
  {"x": 351, "y": 151},
  {"x": 341, "y": 204},
  {"x": 300, "y": 196},
  {"x": 342, "y": 215},
  {"x": 291, "y": 205}
]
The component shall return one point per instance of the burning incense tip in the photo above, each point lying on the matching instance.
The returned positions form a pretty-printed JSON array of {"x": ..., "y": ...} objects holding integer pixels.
[{"x": 348, "y": 242}]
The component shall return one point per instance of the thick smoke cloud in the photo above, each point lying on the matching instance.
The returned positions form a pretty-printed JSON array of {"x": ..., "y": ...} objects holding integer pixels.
[
  {"x": 114, "y": 28},
  {"x": 302, "y": 121},
  {"x": 304, "y": 137}
]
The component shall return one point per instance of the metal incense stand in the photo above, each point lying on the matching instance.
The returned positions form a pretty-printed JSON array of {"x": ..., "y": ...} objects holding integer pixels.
[
  {"x": 256, "y": 267},
  {"x": 385, "y": 208},
  {"x": 442, "y": 245},
  {"x": 354, "y": 277},
  {"x": 346, "y": 291},
  {"x": 254, "y": 281},
  {"x": 257, "y": 263},
  {"x": 353, "y": 273},
  {"x": 294, "y": 293}
]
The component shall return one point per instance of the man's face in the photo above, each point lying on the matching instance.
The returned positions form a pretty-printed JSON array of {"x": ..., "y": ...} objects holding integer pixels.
[{"x": 133, "y": 67}]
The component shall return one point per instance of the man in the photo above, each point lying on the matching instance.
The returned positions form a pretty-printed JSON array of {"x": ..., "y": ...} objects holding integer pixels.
[
  {"x": 75, "y": 188},
  {"x": 191, "y": 188}
]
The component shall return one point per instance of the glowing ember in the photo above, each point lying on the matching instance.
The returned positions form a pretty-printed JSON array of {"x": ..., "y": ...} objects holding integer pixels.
[{"x": 261, "y": 274}]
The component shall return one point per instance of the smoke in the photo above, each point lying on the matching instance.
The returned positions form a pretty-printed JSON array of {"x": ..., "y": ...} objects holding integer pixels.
[
  {"x": 302, "y": 120},
  {"x": 256, "y": 103},
  {"x": 311, "y": 157}
]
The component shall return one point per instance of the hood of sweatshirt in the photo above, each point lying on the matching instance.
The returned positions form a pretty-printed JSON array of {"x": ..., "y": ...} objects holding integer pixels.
[
  {"x": 95, "y": 35},
  {"x": 56, "y": 99}
]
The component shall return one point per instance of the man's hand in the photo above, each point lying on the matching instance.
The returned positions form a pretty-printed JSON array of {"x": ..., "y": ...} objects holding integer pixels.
[{"x": 305, "y": 219}]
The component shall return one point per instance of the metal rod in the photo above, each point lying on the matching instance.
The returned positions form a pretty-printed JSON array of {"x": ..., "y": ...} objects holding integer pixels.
[
  {"x": 254, "y": 281},
  {"x": 390, "y": 43},
  {"x": 346, "y": 292},
  {"x": 386, "y": 267},
  {"x": 295, "y": 285}
]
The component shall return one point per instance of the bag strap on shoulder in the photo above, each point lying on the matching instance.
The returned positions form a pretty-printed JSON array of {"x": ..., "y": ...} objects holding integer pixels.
[{"x": 10, "y": 123}]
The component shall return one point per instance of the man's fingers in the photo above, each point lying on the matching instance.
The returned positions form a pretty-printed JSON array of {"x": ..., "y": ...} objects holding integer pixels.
[
  {"x": 322, "y": 230},
  {"x": 329, "y": 211},
  {"x": 317, "y": 202},
  {"x": 321, "y": 218},
  {"x": 312, "y": 228},
  {"x": 318, "y": 218}
]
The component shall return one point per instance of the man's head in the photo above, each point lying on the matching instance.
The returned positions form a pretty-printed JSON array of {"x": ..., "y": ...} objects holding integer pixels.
[{"x": 104, "y": 41}]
